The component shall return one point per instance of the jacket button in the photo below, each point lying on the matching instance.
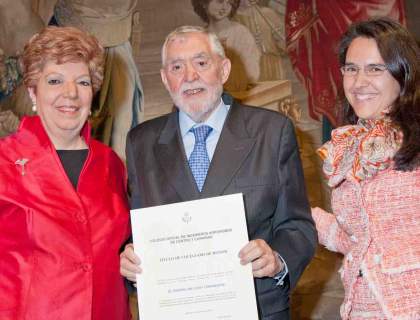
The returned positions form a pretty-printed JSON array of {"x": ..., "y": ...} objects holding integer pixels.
[
  {"x": 81, "y": 218},
  {"x": 86, "y": 267}
]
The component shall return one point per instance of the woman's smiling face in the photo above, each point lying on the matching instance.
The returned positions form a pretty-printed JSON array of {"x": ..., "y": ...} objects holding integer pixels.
[
  {"x": 63, "y": 96},
  {"x": 371, "y": 95}
]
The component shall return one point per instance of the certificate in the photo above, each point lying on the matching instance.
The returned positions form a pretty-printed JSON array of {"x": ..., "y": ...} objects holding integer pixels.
[{"x": 191, "y": 269}]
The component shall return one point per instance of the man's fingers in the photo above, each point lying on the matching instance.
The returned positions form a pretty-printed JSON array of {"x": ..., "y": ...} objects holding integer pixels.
[
  {"x": 266, "y": 266},
  {"x": 128, "y": 269},
  {"x": 130, "y": 254},
  {"x": 267, "y": 271},
  {"x": 129, "y": 263},
  {"x": 252, "y": 255},
  {"x": 264, "y": 261},
  {"x": 260, "y": 263},
  {"x": 129, "y": 266},
  {"x": 131, "y": 277},
  {"x": 253, "y": 250}
]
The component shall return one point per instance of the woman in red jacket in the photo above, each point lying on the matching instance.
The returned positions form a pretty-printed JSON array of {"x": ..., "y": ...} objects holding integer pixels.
[
  {"x": 63, "y": 206},
  {"x": 373, "y": 166}
]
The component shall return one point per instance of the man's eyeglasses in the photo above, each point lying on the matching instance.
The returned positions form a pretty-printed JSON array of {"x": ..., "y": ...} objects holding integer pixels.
[{"x": 371, "y": 70}]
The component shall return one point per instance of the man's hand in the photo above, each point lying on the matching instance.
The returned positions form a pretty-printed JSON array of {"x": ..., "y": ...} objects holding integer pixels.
[
  {"x": 265, "y": 261},
  {"x": 129, "y": 263}
]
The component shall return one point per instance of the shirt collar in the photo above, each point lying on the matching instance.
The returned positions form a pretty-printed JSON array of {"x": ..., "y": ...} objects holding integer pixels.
[{"x": 216, "y": 120}]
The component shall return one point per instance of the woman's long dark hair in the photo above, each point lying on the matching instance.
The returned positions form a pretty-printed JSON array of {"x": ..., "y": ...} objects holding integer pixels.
[{"x": 401, "y": 55}]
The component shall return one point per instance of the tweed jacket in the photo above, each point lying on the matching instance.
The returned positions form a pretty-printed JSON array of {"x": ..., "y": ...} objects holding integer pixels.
[{"x": 376, "y": 225}]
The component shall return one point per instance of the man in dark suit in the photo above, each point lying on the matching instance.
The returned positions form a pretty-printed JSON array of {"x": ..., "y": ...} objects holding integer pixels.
[{"x": 247, "y": 150}]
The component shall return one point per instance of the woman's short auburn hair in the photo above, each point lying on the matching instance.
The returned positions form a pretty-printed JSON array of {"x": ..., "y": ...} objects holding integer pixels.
[{"x": 61, "y": 45}]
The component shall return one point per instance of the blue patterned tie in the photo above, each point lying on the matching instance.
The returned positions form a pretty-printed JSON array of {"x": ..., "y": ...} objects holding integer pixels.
[{"x": 199, "y": 160}]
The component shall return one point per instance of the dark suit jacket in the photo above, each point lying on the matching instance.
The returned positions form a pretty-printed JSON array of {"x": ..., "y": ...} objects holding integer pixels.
[{"x": 257, "y": 155}]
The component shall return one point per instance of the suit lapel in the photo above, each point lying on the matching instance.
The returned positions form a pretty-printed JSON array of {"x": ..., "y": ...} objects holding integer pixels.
[
  {"x": 233, "y": 147},
  {"x": 170, "y": 154}
]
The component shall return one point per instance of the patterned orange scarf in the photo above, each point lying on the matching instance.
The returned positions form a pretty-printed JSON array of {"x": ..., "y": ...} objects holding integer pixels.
[{"x": 359, "y": 151}]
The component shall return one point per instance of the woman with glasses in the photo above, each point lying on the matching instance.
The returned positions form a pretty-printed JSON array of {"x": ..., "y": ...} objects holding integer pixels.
[{"x": 372, "y": 165}]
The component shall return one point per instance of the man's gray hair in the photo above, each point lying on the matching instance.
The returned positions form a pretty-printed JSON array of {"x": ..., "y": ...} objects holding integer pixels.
[{"x": 215, "y": 43}]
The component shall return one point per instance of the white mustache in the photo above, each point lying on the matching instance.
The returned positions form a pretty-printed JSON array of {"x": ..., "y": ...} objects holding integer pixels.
[{"x": 193, "y": 86}]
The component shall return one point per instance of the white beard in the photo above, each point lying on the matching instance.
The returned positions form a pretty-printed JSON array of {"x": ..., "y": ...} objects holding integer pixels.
[{"x": 198, "y": 110}]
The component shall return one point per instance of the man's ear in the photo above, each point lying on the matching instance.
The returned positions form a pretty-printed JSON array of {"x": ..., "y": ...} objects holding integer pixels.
[
  {"x": 226, "y": 66},
  {"x": 164, "y": 79}
]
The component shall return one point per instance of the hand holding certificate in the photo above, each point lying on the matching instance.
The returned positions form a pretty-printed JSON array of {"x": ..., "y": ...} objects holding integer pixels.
[{"x": 190, "y": 265}]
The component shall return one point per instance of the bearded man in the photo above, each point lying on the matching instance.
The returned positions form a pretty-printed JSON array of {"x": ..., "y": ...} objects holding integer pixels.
[{"x": 248, "y": 150}]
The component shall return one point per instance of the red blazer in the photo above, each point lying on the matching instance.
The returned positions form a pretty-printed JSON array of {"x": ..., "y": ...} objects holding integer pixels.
[{"x": 59, "y": 248}]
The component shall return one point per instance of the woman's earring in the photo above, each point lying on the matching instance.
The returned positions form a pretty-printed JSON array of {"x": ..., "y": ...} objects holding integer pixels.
[{"x": 34, "y": 106}]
